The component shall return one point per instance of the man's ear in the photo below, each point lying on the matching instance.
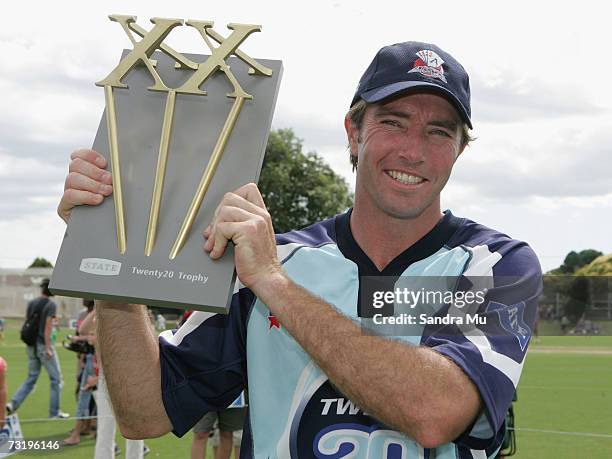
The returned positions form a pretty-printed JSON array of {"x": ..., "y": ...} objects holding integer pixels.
[{"x": 352, "y": 134}]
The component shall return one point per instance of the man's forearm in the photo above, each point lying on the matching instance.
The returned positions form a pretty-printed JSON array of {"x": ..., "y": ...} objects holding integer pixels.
[
  {"x": 47, "y": 333},
  {"x": 88, "y": 325},
  {"x": 410, "y": 388},
  {"x": 130, "y": 361}
]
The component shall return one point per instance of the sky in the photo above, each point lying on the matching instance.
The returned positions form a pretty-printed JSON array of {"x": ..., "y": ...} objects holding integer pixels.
[{"x": 540, "y": 169}]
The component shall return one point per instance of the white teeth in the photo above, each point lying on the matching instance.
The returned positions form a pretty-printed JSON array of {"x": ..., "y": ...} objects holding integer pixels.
[{"x": 405, "y": 178}]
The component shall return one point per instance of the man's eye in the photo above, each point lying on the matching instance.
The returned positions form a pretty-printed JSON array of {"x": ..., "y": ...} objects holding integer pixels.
[
  {"x": 391, "y": 122},
  {"x": 440, "y": 132}
]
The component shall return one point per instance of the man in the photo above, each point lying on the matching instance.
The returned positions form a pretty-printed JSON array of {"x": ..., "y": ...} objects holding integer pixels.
[
  {"x": 42, "y": 354},
  {"x": 318, "y": 386},
  {"x": 2, "y": 390},
  {"x": 230, "y": 422},
  {"x": 85, "y": 332}
]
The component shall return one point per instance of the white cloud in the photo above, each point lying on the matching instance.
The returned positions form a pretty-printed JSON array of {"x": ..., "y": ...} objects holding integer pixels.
[
  {"x": 28, "y": 186},
  {"x": 556, "y": 164},
  {"x": 512, "y": 97},
  {"x": 30, "y": 236}
]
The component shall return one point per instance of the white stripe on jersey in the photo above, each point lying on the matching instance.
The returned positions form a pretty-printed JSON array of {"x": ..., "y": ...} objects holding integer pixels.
[
  {"x": 482, "y": 261},
  {"x": 193, "y": 322},
  {"x": 283, "y": 251},
  {"x": 481, "y": 264},
  {"x": 502, "y": 362},
  {"x": 478, "y": 454},
  {"x": 283, "y": 447}
]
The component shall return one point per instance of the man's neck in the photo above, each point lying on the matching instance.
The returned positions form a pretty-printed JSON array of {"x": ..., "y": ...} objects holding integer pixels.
[{"x": 372, "y": 233}]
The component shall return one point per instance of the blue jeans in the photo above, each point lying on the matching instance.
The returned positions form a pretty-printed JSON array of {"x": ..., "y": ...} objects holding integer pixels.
[
  {"x": 37, "y": 358},
  {"x": 85, "y": 395}
]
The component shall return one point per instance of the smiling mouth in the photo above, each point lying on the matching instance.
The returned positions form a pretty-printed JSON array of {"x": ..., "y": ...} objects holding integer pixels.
[{"x": 403, "y": 177}]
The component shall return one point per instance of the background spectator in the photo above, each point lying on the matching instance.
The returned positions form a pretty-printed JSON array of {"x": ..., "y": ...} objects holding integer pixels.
[
  {"x": 42, "y": 354},
  {"x": 1, "y": 333},
  {"x": 87, "y": 334},
  {"x": 3, "y": 393}
]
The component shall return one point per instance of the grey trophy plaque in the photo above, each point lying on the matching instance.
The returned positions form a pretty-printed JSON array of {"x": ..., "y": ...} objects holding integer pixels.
[{"x": 187, "y": 128}]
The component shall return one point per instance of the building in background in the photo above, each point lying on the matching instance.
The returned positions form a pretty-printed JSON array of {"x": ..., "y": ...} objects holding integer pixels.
[{"x": 19, "y": 286}]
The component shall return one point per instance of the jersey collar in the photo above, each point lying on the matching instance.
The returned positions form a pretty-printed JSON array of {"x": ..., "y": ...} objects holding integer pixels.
[{"x": 429, "y": 244}]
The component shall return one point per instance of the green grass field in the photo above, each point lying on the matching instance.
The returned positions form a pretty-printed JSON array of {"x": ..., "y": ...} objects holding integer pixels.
[
  {"x": 566, "y": 390},
  {"x": 564, "y": 407}
]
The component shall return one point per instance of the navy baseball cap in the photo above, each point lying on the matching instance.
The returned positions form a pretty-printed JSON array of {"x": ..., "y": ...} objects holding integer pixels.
[{"x": 410, "y": 66}]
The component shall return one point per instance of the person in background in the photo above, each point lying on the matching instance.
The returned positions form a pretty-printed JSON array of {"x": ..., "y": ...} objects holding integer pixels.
[
  {"x": 89, "y": 425},
  {"x": 88, "y": 306},
  {"x": 3, "y": 392},
  {"x": 230, "y": 420},
  {"x": 54, "y": 331},
  {"x": 233, "y": 439},
  {"x": 1, "y": 330},
  {"x": 42, "y": 354},
  {"x": 86, "y": 332},
  {"x": 227, "y": 426},
  {"x": 200, "y": 439},
  {"x": 160, "y": 322}
]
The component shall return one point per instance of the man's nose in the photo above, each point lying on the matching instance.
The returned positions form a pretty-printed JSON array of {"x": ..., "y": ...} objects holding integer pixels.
[{"x": 413, "y": 147}]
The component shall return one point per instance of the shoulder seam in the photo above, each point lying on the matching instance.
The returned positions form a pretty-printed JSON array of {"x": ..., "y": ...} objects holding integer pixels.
[{"x": 301, "y": 246}]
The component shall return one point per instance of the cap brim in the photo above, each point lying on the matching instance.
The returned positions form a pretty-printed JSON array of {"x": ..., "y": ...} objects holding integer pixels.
[{"x": 384, "y": 92}]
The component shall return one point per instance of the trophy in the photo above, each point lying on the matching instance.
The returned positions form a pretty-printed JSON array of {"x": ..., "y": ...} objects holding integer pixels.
[{"x": 179, "y": 131}]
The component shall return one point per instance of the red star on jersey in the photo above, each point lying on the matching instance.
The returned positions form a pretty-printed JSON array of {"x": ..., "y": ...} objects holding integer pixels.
[{"x": 273, "y": 322}]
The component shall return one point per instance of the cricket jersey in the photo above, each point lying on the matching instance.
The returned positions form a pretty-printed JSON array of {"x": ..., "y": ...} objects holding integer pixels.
[{"x": 294, "y": 411}]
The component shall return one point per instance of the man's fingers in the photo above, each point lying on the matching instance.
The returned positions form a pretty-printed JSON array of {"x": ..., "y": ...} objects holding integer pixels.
[
  {"x": 91, "y": 156},
  {"x": 246, "y": 197},
  {"x": 233, "y": 214},
  {"x": 236, "y": 200},
  {"x": 251, "y": 193},
  {"x": 224, "y": 232},
  {"x": 217, "y": 240},
  {"x": 208, "y": 245},
  {"x": 241, "y": 212},
  {"x": 219, "y": 243},
  {"x": 77, "y": 181},
  {"x": 74, "y": 197},
  {"x": 86, "y": 168}
]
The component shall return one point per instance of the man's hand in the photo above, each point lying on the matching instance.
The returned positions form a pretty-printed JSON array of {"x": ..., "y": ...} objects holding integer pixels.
[
  {"x": 87, "y": 182},
  {"x": 242, "y": 218},
  {"x": 48, "y": 352},
  {"x": 92, "y": 382}
]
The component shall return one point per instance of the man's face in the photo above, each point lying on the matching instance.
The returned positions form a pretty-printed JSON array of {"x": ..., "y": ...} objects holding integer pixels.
[{"x": 406, "y": 150}]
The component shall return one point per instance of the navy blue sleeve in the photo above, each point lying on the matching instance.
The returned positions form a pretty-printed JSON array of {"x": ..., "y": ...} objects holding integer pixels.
[
  {"x": 492, "y": 354},
  {"x": 203, "y": 363}
]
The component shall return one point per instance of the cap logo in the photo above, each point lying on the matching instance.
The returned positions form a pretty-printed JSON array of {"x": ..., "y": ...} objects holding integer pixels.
[{"x": 429, "y": 64}]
